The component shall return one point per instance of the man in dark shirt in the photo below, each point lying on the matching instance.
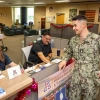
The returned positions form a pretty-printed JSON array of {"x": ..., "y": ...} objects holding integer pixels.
[{"x": 41, "y": 50}]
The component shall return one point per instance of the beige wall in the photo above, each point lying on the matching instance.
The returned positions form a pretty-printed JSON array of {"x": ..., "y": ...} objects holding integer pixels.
[
  {"x": 42, "y": 11},
  {"x": 7, "y": 20},
  {"x": 39, "y": 12},
  {"x": 64, "y": 8}
]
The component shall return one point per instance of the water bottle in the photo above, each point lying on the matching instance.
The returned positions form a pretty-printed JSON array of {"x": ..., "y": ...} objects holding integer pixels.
[
  {"x": 39, "y": 32},
  {"x": 52, "y": 43},
  {"x": 39, "y": 38}
]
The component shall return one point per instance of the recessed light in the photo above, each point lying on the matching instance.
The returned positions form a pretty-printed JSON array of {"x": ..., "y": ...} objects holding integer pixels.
[
  {"x": 2, "y": 1},
  {"x": 39, "y": 3},
  {"x": 62, "y": 1}
]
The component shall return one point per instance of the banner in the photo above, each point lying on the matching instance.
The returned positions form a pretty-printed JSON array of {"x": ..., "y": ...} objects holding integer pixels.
[{"x": 54, "y": 86}]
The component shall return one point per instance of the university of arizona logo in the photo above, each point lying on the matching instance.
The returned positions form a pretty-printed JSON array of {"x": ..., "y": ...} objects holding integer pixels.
[{"x": 47, "y": 85}]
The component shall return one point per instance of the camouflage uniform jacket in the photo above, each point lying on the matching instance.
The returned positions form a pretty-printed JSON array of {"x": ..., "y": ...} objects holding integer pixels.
[{"x": 86, "y": 55}]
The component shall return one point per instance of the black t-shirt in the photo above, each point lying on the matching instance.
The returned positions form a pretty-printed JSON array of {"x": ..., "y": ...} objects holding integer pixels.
[{"x": 39, "y": 47}]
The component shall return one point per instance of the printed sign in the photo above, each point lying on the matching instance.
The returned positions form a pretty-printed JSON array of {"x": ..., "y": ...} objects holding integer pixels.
[
  {"x": 54, "y": 87},
  {"x": 14, "y": 71}
]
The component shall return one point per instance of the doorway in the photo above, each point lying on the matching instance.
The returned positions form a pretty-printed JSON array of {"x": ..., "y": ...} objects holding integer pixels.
[
  {"x": 42, "y": 23},
  {"x": 60, "y": 18}
]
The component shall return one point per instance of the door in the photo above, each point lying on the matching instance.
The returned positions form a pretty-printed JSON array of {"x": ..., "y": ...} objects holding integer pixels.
[
  {"x": 60, "y": 18},
  {"x": 42, "y": 23}
]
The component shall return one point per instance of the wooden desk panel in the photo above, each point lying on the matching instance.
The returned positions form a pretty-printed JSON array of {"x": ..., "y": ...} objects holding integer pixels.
[{"x": 15, "y": 85}]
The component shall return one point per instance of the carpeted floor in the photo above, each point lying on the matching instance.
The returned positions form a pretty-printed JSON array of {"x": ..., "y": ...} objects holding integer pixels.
[{"x": 14, "y": 47}]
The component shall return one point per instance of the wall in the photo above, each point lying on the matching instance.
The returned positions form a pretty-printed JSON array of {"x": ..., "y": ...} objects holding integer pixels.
[
  {"x": 7, "y": 20},
  {"x": 39, "y": 12},
  {"x": 64, "y": 8}
]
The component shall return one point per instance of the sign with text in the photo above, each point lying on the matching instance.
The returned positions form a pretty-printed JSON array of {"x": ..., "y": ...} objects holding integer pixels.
[
  {"x": 14, "y": 72},
  {"x": 54, "y": 85}
]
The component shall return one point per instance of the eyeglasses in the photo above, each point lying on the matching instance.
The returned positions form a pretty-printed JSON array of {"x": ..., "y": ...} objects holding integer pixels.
[{"x": 48, "y": 39}]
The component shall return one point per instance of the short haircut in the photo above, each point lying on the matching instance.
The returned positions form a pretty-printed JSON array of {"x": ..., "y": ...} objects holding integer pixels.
[
  {"x": 47, "y": 33},
  {"x": 79, "y": 17}
]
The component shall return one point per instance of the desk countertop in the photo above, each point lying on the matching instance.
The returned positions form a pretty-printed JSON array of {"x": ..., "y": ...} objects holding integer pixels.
[{"x": 14, "y": 85}]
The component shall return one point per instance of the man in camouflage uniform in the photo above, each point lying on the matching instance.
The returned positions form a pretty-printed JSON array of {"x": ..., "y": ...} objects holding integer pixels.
[{"x": 85, "y": 49}]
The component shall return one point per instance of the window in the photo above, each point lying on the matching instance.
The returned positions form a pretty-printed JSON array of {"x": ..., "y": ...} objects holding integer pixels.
[
  {"x": 17, "y": 15},
  {"x": 30, "y": 15}
]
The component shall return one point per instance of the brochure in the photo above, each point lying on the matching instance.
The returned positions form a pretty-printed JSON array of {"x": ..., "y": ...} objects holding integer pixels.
[{"x": 2, "y": 92}]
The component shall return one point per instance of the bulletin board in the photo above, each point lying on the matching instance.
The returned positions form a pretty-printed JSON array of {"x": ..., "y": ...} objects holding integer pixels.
[{"x": 49, "y": 19}]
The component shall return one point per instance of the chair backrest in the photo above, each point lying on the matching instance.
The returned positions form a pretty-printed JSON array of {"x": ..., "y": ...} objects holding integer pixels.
[
  {"x": 26, "y": 51},
  {"x": 14, "y": 27}
]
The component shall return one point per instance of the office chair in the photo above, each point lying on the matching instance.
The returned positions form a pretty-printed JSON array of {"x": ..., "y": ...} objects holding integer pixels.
[
  {"x": 14, "y": 27},
  {"x": 26, "y": 51}
]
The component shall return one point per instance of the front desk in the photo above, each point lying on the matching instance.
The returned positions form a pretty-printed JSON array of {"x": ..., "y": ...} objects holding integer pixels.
[
  {"x": 17, "y": 84},
  {"x": 49, "y": 75},
  {"x": 13, "y": 86}
]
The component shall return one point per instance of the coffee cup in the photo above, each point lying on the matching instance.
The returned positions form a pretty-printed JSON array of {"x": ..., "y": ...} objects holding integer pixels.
[{"x": 58, "y": 52}]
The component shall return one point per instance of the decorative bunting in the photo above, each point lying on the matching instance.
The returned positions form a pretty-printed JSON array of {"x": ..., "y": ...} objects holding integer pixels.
[
  {"x": 69, "y": 25},
  {"x": 22, "y": 95}
]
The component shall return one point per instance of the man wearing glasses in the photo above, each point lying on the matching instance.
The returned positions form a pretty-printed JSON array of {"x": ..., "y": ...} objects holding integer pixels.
[{"x": 41, "y": 50}]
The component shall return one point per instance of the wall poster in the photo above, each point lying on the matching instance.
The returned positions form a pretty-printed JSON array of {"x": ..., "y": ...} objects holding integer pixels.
[{"x": 72, "y": 13}]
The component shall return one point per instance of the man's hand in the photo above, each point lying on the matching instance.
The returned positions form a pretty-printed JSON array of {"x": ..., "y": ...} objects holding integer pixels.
[
  {"x": 62, "y": 65},
  {"x": 42, "y": 57}
]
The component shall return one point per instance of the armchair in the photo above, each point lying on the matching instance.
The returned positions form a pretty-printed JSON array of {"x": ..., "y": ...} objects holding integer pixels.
[{"x": 19, "y": 31}]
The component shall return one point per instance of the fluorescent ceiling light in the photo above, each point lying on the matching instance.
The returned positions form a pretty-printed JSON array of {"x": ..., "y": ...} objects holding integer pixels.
[
  {"x": 39, "y": 3},
  {"x": 2, "y": 1},
  {"x": 63, "y": 1}
]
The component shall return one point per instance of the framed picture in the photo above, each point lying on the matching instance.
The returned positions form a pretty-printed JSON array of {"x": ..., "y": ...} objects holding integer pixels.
[
  {"x": 72, "y": 13},
  {"x": 90, "y": 14}
]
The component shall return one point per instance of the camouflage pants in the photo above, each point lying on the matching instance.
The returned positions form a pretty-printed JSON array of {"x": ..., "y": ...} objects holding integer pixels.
[{"x": 83, "y": 90}]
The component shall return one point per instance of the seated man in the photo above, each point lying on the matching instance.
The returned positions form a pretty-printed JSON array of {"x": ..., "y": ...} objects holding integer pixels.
[
  {"x": 5, "y": 60},
  {"x": 41, "y": 50}
]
